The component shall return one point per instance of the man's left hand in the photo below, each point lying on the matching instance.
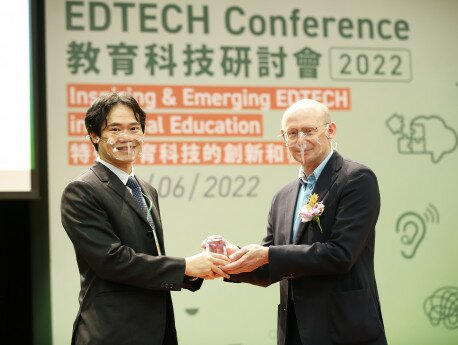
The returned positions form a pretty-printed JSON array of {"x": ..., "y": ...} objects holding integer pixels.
[{"x": 247, "y": 259}]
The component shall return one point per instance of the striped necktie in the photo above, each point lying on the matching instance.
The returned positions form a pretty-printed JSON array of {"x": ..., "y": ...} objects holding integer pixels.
[{"x": 138, "y": 197}]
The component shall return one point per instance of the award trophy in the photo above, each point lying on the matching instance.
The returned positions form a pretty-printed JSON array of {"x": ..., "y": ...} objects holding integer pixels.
[{"x": 215, "y": 244}]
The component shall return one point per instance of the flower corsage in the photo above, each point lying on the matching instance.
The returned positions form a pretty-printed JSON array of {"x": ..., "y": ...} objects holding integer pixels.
[{"x": 312, "y": 211}]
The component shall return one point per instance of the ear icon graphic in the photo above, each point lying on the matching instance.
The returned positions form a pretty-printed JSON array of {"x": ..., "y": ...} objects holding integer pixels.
[{"x": 412, "y": 229}]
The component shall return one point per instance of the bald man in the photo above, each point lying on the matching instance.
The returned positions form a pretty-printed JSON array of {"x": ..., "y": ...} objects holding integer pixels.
[{"x": 320, "y": 241}]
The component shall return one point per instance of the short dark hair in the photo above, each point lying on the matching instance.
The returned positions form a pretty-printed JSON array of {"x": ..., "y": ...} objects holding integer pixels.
[{"x": 96, "y": 115}]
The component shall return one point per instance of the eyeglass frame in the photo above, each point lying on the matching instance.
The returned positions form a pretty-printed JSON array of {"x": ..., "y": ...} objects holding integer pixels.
[
  {"x": 133, "y": 134},
  {"x": 114, "y": 130},
  {"x": 312, "y": 131}
]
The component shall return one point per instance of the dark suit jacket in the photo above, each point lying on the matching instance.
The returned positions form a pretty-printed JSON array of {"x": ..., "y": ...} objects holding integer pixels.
[
  {"x": 125, "y": 285},
  {"x": 331, "y": 273}
]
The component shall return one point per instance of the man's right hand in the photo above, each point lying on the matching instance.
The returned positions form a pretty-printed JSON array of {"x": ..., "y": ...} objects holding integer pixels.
[{"x": 206, "y": 265}]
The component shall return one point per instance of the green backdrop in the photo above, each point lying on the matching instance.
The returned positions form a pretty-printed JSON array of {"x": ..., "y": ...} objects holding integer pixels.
[{"x": 387, "y": 69}]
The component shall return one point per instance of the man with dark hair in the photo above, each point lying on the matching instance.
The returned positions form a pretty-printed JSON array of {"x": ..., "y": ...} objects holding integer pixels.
[
  {"x": 96, "y": 115},
  {"x": 113, "y": 220}
]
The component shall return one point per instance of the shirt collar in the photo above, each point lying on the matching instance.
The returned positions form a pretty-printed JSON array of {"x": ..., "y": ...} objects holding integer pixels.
[
  {"x": 122, "y": 175},
  {"x": 317, "y": 172}
]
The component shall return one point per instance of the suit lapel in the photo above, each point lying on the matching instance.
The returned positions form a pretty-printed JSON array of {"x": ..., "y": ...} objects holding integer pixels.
[
  {"x": 114, "y": 183},
  {"x": 327, "y": 178},
  {"x": 155, "y": 213},
  {"x": 290, "y": 204}
]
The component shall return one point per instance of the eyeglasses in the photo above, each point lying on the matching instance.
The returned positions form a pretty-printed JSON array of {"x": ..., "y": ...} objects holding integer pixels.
[
  {"x": 135, "y": 131},
  {"x": 293, "y": 134}
]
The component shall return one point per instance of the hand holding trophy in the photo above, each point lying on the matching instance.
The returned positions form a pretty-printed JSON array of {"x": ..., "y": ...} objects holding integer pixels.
[{"x": 216, "y": 244}]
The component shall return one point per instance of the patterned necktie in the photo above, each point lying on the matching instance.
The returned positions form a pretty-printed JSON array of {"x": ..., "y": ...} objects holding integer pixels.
[
  {"x": 137, "y": 194},
  {"x": 138, "y": 197}
]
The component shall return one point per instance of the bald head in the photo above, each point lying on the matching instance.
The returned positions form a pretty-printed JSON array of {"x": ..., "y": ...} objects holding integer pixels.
[
  {"x": 308, "y": 131},
  {"x": 309, "y": 108}
]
